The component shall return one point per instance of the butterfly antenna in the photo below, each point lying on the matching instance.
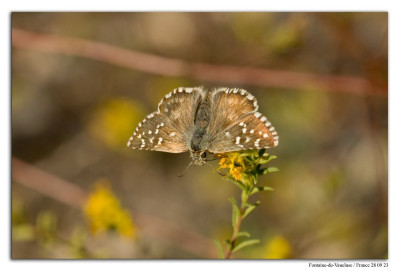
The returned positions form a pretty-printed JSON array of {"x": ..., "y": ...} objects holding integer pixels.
[
  {"x": 216, "y": 169},
  {"x": 213, "y": 159},
  {"x": 181, "y": 175},
  {"x": 211, "y": 165}
]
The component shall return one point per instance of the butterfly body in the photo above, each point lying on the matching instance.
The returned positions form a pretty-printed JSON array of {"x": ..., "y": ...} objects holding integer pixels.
[{"x": 198, "y": 120}]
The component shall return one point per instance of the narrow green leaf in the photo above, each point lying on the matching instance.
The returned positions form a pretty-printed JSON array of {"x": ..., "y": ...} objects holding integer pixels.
[
  {"x": 239, "y": 184},
  {"x": 235, "y": 212},
  {"x": 248, "y": 159},
  {"x": 268, "y": 157},
  {"x": 261, "y": 188},
  {"x": 243, "y": 234},
  {"x": 246, "y": 244},
  {"x": 268, "y": 170},
  {"x": 250, "y": 208},
  {"x": 233, "y": 201},
  {"x": 219, "y": 249},
  {"x": 254, "y": 178}
]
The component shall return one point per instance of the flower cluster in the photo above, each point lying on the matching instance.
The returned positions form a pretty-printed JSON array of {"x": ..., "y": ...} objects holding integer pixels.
[
  {"x": 234, "y": 161},
  {"x": 104, "y": 212},
  {"x": 244, "y": 166}
]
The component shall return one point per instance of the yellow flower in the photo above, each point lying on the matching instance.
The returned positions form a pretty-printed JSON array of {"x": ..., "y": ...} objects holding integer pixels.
[
  {"x": 112, "y": 121},
  {"x": 236, "y": 173},
  {"x": 104, "y": 212},
  {"x": 234, "y": 162},
  {"x": 224, "y": 163},
  {"x": 277, "y": 248}
]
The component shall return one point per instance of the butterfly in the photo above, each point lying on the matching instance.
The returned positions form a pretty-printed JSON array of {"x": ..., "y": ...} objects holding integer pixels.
[{"x": 199, "y": 120}]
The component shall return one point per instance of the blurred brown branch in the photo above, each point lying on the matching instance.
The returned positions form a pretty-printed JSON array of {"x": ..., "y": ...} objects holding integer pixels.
[
  {"x": 74, "y": 196},
  {"x": 199, "y": 71}
]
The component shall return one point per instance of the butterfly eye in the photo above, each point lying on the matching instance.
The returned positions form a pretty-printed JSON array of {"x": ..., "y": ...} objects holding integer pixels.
[{"x": 203, "y": 155}]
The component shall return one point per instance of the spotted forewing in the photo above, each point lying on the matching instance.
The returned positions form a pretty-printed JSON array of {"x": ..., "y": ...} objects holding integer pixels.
[
  {"x": 235, "y": 123},
  {"x": 169, "y": 128}
]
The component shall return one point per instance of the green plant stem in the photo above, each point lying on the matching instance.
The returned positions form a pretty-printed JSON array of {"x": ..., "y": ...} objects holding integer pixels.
[{"x": 236, "y": 230}]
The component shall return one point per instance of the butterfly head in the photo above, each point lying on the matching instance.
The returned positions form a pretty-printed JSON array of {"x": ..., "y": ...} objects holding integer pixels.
[{"x": 198, "y": 157}]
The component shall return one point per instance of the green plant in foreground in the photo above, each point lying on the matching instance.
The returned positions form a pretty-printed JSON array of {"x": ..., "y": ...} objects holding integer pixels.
[{"x": 244, "y": 169}]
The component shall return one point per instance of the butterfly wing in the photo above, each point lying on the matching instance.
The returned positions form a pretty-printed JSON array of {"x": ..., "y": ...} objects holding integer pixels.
[
  {"x": 169, "y": 129},
  {"x": 236, "y": 124}
]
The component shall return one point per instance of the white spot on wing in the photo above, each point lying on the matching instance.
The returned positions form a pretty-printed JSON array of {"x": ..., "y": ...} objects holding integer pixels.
[
  {"x": 265, "y": 135},
  {"x": 172, "y": 134},
  {"x": 263, "y": 119},
  {"x": 257, "y": 114},
  {"x": 237, "y": 140},
  {"x": 227, "y": 134},
  {"x": 252, "y": 131},
  {"x": 244, "y": 130}
]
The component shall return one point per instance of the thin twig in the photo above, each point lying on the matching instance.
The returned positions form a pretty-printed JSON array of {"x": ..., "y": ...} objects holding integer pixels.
[
  {"x": 74, "y": 196},
  {"x": 199, "y": 71}
]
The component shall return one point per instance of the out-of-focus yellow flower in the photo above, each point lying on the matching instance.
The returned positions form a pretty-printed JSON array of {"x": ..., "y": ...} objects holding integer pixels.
[
  {"x": 112, "y": 122},
  {"x": 104, "y": 212},
  {"x": 277, "y": 248},
  {"x": 234, "y": 161}
]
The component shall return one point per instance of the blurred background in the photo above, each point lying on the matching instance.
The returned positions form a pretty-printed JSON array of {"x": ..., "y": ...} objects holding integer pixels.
[{"x": 82, "y": 81}]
